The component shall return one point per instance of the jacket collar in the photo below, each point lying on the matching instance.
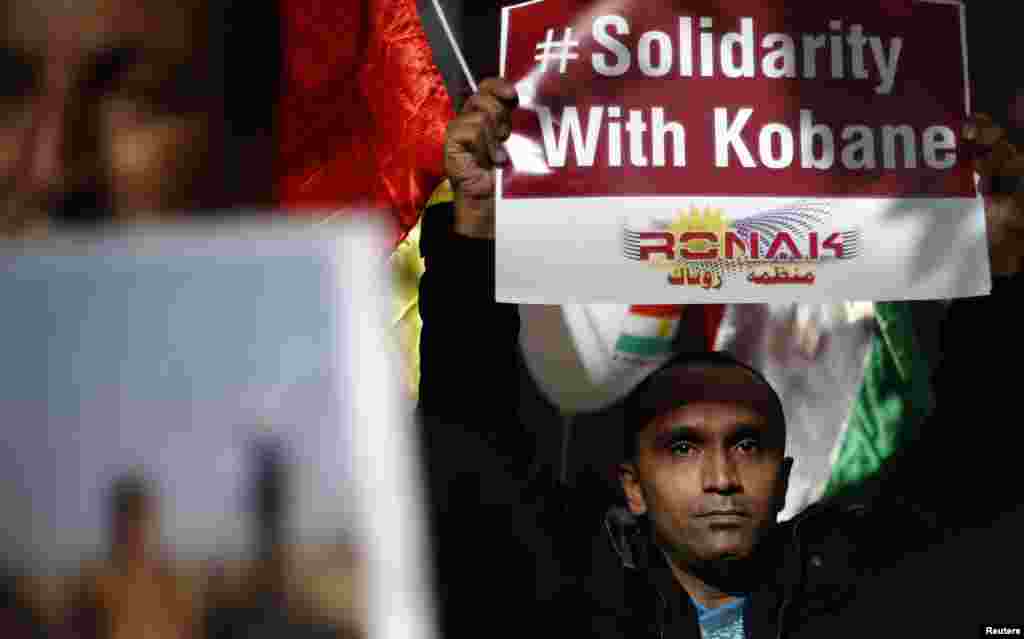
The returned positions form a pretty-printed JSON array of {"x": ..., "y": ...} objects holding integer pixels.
[{"x": 780, "y": 570}]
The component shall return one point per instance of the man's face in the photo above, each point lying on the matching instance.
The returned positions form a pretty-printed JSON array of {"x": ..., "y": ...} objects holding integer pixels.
[
  {"x": 712, "y": 477},
  {"x": 108, "y": 109},
  {"x": 136, "y": 535}
]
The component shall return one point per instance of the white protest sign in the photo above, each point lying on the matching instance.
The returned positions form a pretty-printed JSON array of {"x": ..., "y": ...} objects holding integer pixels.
[{"x": 748, "y": 151}]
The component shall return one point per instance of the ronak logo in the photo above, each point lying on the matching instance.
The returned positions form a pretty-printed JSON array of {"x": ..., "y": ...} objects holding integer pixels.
[{"x": 702, "y": 247}]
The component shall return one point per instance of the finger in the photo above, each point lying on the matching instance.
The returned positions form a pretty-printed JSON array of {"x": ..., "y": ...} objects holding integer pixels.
[
  {"x": 495, "y": 151},
  {"x": 1013, "y": 166},
  {"x": 498, "y": 119},
  {"x": 979, "y": 119},
  {"x": 500, "y": 115},
  {"x": 470, "y": 133},
  {"x": 994, "y": 160},
  {"x": 498, "y": 123},
  {"x": 993, "y": 153},
  {"x": 491, "y": 145},
  {"x": 501, "y": 89},
  {"x": 496, "y": 126},
  {"x": 982, "y": 130},
  {"x": 499, "y": 155}
]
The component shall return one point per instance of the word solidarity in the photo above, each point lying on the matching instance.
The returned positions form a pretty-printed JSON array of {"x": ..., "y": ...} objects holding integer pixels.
[{"x": 846, "y": 54}]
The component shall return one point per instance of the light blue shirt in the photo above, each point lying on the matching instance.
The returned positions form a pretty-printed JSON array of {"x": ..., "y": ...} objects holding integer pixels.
[{"x": 724, "y": 622}]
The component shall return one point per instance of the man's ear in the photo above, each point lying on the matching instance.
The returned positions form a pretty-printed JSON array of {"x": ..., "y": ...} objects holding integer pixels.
[
  {"x": 784, "y": 472},
  {"x": 630, "y": 481}
]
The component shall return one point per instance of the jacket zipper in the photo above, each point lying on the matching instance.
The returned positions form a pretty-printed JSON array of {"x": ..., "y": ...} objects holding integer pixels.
[{"x": 662, "y": 614}]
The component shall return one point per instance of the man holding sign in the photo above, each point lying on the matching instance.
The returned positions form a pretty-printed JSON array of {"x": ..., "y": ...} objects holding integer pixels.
[{"x": 698, "y": 551}]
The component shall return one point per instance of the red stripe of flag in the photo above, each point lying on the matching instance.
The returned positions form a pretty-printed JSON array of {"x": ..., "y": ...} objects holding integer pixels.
[{"x": 667, "y": 311}]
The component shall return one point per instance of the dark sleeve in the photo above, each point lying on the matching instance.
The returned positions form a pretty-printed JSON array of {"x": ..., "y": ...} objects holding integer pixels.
[
  {"x": 494, "y": 523},
  {"x": 469, "y": 342},
  {"x": 946, "y": 514},
  {"x": 958, "y": 470},
  {"x": 971, "y": 445}
]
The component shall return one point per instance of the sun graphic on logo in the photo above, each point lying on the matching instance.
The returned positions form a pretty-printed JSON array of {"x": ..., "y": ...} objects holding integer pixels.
[{"x": 696, "y": 220}]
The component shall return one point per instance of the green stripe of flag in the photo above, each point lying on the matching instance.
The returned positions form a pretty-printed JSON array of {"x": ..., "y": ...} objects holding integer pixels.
[
  {"x": 894, "y": 398},
  {"x": 643, "y": 345}
]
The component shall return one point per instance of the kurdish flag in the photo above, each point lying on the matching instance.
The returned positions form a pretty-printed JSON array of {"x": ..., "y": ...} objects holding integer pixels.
[{"x": 648, "y": 332}]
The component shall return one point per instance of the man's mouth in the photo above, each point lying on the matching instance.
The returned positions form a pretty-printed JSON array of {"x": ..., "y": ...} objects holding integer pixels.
[{"x": 724, "y": 515}]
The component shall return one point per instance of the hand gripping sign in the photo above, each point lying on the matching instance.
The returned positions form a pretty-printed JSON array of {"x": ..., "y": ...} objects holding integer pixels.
[{"x": 737, "y": 151}]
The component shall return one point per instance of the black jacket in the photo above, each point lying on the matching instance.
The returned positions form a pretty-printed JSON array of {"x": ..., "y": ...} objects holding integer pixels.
[{"x": 515, "y": 547}]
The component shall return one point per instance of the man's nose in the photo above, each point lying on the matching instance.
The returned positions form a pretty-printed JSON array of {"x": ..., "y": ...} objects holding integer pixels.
[
  {"x": 60, "y": 166},
  {"x": 44, "y": 169},
  {"x": 719, "y": 472}
]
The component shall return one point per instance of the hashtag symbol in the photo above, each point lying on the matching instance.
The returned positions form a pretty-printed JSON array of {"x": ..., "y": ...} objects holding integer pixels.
[{"x": 560, "y": 50}]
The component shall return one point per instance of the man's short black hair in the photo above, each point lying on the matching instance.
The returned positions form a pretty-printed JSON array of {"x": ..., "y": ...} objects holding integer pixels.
[{"x": 653, "y": 396}]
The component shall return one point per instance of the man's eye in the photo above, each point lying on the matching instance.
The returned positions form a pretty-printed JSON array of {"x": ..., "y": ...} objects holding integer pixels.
[
  {"x": 683, "y": 449},
  {"x": 749, "y": 445},
  {"x": 158, "y": 90},
  {"x": 153, "y": 101},
  {"x": 147, "y": 101},
  {"x": 17, "y": 77}
]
